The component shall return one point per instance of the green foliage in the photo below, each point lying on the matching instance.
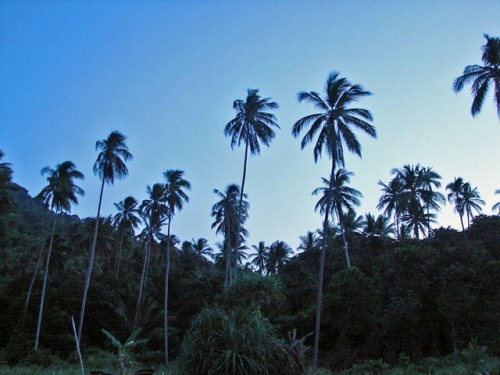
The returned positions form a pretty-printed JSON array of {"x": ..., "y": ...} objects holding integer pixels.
[{"x": 125, "y": 356}]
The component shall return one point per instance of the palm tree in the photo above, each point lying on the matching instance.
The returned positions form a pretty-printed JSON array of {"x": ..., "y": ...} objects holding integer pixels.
[
  {"x": 432, "y": 199},
  {"x": 279, "y": 255},
  {"x": 126, "y": 221},
  {"x": 202, "y": 250},
  {"x": 482, "y": 77},
  {"x": 455, "y": 196},
  {"x": 339, "y": 197},
  {"x": 251, "y": 126},
  {"x": 260, "y": 256},
  {"x": 309, "y": 242},
  {"x": 59, "y": 195},
  {"x": 175, "y": 197},
  {"x": 496, "y": 206},
  {"x": 6, "y": 187},
  {"x": 332, "y": 126},
  {"x": 377, "y": 227},
  {"x": 471, "y": 201},
  {"x": 110, "y": 165},
  {"x": 226, "y": 215},
  {"x": 390, "y": 199}
]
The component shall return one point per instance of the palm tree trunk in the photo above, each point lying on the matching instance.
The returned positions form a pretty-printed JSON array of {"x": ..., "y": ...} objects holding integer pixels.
[
  {"x": 30, "y": 289},
  {"x": 344, "y": 239},
  {"x": 44, "y": 287},
  {"x": 227, "y": 249},
  {"x": 462, "y": 221},
  {"x": 238, "y": 224},
  {"x": 167, "y": 274},
  {"x": 143, "y": 279},
  {"x": 90, "y": 266},
  {"x": 119, "y": 257},
  {"x": 317, "y": 324}
]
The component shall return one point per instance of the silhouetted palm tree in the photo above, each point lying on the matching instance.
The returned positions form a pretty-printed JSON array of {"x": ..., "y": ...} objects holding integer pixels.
[
  {"x": 252, "y": 126},
  {"x": 126, "y": 220},
  {"x": 225, "y": 212},
  {"x": 496, "y": 206},
  {"x": 342, "y": 199},
  {"x": 260, "y": 256},
  {"x": 175, "y": 197},
  {"x": 455, "y": 196},
  {"x": 6, "y": 187},
  {"x": 279, "y": 255},
  {"x": 471, "y": 201},
  {"x": 202, "y": 250},
  {"x": 332, "y": 126},
  {"x": 377, "y": 227},
  {"x": 59, "y": 195},
  {"x": 431, "y": 198},
  {"x": 482, "y": 77},
  {"x": 309, "y": 242},
  {"x": 391, "y": 199},
  {"x": 110, "y": 165}
]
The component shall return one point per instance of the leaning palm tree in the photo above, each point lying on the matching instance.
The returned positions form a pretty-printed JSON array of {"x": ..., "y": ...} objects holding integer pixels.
[
  {"x": 126, "y": 220},
  {"x": 482, "y": 77},
  {"x": 252, "y": 126},
  {"x": 260, "y": 256},
  {"x": 455, "y": 196},
  {"x": 175, "y": 197},
  {"x": 340, "y": 198},
  {"x": 333, "y": 127},
  {"x": 225, "y": 212},
  {"x": 59, "y": 195},
  {"x": 496, "y": 206},
  {"x": 110, "y": 165}
]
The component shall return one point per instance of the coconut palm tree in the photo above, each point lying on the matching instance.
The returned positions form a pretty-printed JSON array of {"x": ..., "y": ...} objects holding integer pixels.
[
  {"x": 431, "y": 198},
  {"x": 260, "y": 256},
  {"x": 126, "y": 220},
  {"x": 483, "y": 76},
  {"x": 456, "y": 191},
  {"x": 309, "y": 242},
  {"x": 202, "y": 250},
  {"x": 59, "y": 195},
  {"x": 390, "y": 200},
  {"x": 175, "y": 197},
  {"x": 6, "y": 187},
  {"x": 332, "y": 126},
  {"x": 279, "y": 255},
  {"x": 377, "y": 227},
  {"x": 471, "y": 201},
  {"x": 496, "y": 206},
  {"x": 342, "y": 199},
  {"x": 225, "y": 212},
  {"x": 252, "y": 126},
  {"x": 110, "y": 165}
]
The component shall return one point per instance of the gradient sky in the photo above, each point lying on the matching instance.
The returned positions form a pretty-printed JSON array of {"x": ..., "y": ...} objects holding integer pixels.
[{"x": 165, "y": 73}]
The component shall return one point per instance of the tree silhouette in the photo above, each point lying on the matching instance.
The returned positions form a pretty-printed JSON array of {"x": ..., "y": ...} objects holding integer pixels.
[
  {"x": 252, "y": 126},
  {"x": 260, "y": 256}
]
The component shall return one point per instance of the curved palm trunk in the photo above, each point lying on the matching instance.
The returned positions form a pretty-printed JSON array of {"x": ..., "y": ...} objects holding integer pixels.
[
  {"x": 344, "y": 239},
  {"x": 167, "y": 274},
  {"x": 238, "y": 224},
  {"x": 119, "y": 256},
  {"x": 317, "y": 324},
  {"x": 143, "y": 279},
  {"x": 90, "y": 266},
  {"x": 44, "y": 287}
]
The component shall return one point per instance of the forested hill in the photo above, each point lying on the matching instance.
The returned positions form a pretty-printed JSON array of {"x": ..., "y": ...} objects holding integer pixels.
[{"x": 417, "y": 298}]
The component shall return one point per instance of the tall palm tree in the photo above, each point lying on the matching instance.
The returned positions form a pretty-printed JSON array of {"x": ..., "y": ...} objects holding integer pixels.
[
  {"x": 482, "y": 77},
  {"x": 126, "y": 220},
  {"x": 110, "y": 165},
  {"x": 431, "y": 198},
  {"x": 496, "y": 206},
  {"x": 252, "y": 126},
  {"x": 339, "y": 197},
  {"x": 59, "y": 195},
  {"x": 226, "y": 215},
  {"x": 333, "y": 126},
  {"x": 260, "y": 256},
  {"x": 279, "y": 255},
  {"x": 175, "y": 197},
  {"x": 6, "y": 186},
  {"x": 471, "y": 201},
  {"x": 455, "y": 196},
  {"x": 390, "y": 200}
]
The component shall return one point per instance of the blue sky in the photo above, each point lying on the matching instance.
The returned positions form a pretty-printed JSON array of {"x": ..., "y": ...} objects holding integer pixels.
[{"x": 165, "y": 73}]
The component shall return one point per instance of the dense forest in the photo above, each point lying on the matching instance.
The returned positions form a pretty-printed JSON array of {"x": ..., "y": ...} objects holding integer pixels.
[{"x": 360, "y": 294}]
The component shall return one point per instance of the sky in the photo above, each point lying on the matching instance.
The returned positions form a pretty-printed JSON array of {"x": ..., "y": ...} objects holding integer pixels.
[{"x": 165, "y": 74}]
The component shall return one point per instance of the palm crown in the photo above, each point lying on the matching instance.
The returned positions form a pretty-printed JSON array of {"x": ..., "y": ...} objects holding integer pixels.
[
  {"x": 174, "y": 190},
  {"x": 110, "y": 163}
]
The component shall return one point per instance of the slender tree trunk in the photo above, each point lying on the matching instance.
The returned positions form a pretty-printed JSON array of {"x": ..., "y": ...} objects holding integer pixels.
[
  {"x": 317, "y": 324},
  {"x": 238, "y": 224},
  {"x": 227, "y": 245},
  {"x": 344, "y": 239},
  {"x": 44, "y": 287},
  {"x": 30, "y": 289},
  {"x": 462, "y": 221},
  {"x": 167, "y": 274},
  {"x": 119, "y": 257},
  {"x": 90, "y": 266},
  {"x": 143, "y": 279},
  {"x": 398, "y": 237}
]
